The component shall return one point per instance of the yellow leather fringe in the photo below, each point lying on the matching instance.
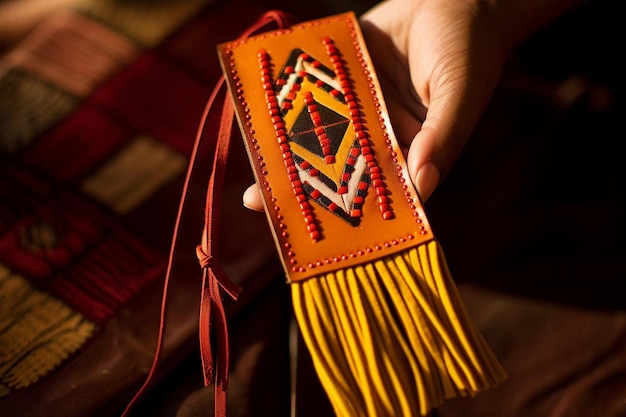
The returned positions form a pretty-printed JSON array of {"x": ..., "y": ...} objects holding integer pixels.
[{"x": 392, "y": 338}]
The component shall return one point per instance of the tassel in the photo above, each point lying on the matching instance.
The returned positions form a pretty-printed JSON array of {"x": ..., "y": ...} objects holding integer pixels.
[
  {"x": 392, "y": 338},
  {"x": 371, "y": 290}
]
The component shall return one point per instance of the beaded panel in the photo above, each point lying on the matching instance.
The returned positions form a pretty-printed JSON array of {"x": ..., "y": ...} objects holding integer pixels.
[{"x": 334, "y": 181}]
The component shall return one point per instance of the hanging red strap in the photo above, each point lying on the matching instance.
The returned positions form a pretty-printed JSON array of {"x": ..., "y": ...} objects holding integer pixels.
[
  {"x": 212, "y": 315},
  {"x": 213, "y": 320}
]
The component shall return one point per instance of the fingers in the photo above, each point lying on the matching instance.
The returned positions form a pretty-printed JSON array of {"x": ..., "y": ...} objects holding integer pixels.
[
  {"x": 427, "y": 179},
  {"x": 252, "y": 198},
  {"x": 424, "y": 164},
  {"x": 437, "y": 145}
]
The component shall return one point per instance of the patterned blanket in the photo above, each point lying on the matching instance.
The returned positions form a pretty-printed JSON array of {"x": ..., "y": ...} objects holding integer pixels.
[{"x": 99, "y": 108}]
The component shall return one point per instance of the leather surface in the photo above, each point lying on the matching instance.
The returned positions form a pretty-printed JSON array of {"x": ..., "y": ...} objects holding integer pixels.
[{"x": 341, "y": 245}]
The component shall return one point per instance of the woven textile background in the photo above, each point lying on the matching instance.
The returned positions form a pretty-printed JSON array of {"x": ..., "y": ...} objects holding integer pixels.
[{"x": 99, "y": 107}]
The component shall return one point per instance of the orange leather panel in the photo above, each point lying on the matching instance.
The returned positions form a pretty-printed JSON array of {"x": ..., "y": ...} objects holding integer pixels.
[{"x": 312, "y": 119}]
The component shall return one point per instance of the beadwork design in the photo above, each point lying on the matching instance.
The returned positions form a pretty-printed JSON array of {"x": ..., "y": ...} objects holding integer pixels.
[
  {"x": 323, "y": 139},
  {"x": 322, "y": 87}
]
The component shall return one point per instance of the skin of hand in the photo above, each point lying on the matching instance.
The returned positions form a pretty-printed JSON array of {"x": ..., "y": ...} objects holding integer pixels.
[{"x": 438, "y": 63}]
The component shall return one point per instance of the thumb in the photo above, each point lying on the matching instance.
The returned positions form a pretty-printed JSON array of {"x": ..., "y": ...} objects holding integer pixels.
[
  {"x": 252, "y": 198},
  {"x": 438, "y": 144}
]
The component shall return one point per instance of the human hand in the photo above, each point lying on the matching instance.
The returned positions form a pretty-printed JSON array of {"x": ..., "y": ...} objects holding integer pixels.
[{"x": 438, "y": 62}]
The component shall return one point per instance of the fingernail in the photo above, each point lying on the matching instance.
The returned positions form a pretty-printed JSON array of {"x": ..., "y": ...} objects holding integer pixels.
[
  {"x": 426, "y": 180},
  {"x": 247, "y": 198},
  {"x": 252, "y": 199}
]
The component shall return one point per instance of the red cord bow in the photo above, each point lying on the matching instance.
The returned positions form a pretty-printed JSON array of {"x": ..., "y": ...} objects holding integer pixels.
[{"x": 212, "y": 315}]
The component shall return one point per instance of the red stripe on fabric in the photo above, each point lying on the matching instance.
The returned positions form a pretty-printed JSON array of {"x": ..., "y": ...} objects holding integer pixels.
[
  {"x": 95, "y": 310},
  {"x": 70, "y": 248},
  {"x": 78, "y": 143},
  {"x": 46, "y": 241},
  {"x": 106, "y": 277},
  {"x": 95, "y": 280},
  {"x": 157, "y": 98}
]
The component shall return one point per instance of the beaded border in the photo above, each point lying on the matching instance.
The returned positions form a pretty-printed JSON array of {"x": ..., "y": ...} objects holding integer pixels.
[{"x": 274, "y": 111}]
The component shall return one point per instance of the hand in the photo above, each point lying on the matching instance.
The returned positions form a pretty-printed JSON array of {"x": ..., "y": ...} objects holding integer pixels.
[{"x": 438, "y": 62}]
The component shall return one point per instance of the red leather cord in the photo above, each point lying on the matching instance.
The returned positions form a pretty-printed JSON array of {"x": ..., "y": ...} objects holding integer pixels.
[
  {"x": 213, "y": 320},
  {"x": 212, "y": 315}
]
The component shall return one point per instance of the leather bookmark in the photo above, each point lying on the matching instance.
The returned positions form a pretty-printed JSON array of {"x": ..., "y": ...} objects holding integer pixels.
[{"x": 372, "y": 294}]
